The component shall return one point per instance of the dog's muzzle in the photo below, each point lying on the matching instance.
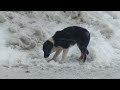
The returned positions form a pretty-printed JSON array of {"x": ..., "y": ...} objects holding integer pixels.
[{"x": 46, "y": 56}]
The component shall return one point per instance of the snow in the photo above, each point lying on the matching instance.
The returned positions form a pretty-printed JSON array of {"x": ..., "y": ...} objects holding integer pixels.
[{"x": 22, "y": 34}]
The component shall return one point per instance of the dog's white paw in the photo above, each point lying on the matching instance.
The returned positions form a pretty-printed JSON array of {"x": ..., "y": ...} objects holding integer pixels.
[
  {"x": 49, "y": 60},
  {"x": 52, "y": 59},
  {"x": 61, "y": 62},
  {"x": 55, "y": 60}
]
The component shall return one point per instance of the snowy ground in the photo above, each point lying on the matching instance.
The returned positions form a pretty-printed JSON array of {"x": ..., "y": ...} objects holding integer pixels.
[{"x": 23, "y": 33}]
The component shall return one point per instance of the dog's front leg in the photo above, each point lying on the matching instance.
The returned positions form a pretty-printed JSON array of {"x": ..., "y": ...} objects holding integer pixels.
[
  {"x": 64, "y": 55},
  {"x": 56, "y": 54},
  {"x": 58, "y": 51}
]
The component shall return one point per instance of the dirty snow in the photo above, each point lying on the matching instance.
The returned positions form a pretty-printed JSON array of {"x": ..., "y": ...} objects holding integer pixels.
[{"x": 22, "y": 34}]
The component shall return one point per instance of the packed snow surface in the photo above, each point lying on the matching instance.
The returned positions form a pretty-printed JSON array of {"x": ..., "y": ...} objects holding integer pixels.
[{"x": 22, "y": 34}]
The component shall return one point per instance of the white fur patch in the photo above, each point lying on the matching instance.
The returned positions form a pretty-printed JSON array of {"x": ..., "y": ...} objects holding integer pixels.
[{"x": 51, "y": 40}]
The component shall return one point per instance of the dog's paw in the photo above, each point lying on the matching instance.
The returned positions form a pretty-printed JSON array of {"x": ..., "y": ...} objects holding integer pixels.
[
  {"x": 49, "y": 60},
  {"x": 61, "y": 62},
  {"x": 55, "y": 60},
  {"x": 81, "y": 62},
  {"x": 52, "y": 59}
]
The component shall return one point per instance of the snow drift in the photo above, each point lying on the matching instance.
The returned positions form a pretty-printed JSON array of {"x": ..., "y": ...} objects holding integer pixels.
[{"x": 22, "y": 34}]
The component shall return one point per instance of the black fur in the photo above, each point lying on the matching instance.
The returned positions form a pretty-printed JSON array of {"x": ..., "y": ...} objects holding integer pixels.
[
  {"x": 70, "y": 36},
  {"x": 73, "y": 35},
  {"x": 47, "y": 47}
]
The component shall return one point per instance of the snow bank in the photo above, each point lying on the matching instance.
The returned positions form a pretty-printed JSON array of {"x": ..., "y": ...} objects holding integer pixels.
[{"x": 23, "y": 33}]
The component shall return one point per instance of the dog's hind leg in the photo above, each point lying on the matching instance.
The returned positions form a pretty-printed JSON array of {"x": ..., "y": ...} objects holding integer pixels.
[
  {"x": 64, "y": 55},
  {"x": 82, "y": 56},
  {"x": 84, "y": 51}
]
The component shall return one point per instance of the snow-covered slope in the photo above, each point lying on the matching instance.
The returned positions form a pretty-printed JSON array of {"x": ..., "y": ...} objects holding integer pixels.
[{"x": 23, "y": 33}]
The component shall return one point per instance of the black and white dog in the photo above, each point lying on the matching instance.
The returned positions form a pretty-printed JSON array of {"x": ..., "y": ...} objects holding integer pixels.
[{"x": 63, "y": 40}]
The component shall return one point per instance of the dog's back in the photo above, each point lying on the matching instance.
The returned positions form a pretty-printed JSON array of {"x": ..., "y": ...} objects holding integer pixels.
[{"x": 72, "y": 35}]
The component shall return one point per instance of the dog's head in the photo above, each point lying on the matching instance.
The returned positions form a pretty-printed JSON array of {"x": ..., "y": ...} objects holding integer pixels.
[{"x": 47, "y": 48}]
